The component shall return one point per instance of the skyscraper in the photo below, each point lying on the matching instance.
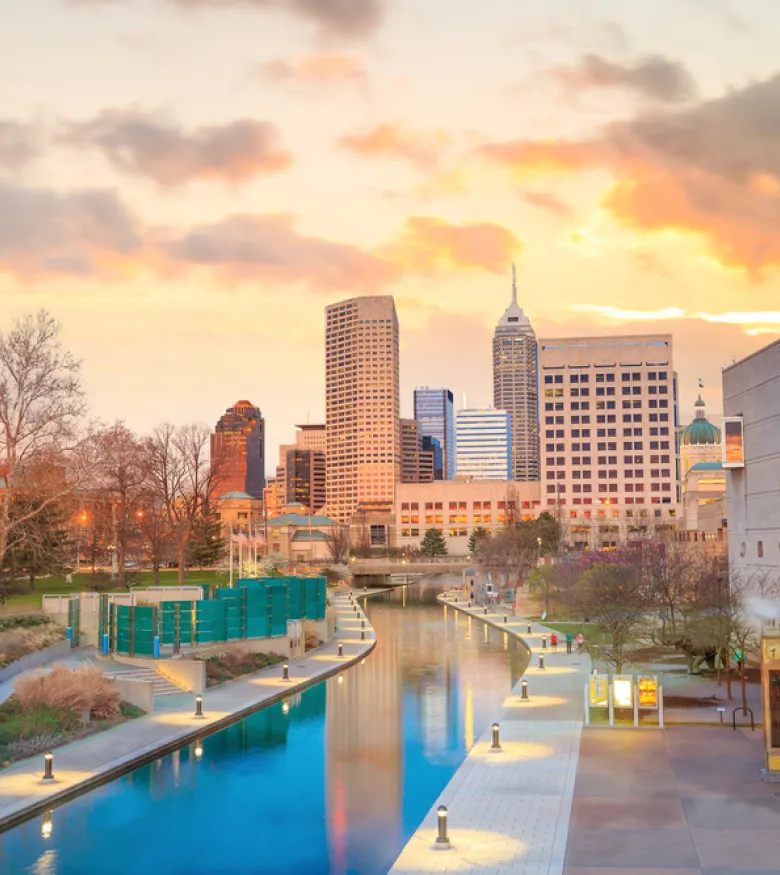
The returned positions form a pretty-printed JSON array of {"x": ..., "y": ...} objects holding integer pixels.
[
  {"x": 482, "y": 441},
  {"x": 362, "y": 404},
  {"x": 238, "y": 450},
  {"x": 417, "y": 463},
  {"x": 516, "y": 385},
  {"x": 433, "y": 409}
]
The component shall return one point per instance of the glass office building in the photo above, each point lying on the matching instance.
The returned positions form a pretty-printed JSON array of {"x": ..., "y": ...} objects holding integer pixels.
[
  {"x": 483, "y": 444},
  {"x": 434, "y": 410}
]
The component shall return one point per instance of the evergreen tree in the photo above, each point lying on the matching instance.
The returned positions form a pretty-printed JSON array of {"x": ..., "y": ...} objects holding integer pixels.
[
  {"x": 206, "y": 546},
  {"x": 40, "y": 543},
  {"x": 433, "y": 544},
  {"x": 477, "y": 535}
]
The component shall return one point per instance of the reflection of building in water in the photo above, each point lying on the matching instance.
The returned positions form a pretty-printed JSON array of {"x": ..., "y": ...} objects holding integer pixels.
[{"x": 364, "y": 757}]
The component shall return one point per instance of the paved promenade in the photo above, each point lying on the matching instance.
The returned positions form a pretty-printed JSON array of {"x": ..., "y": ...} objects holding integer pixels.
[
  {"x": 93, "y": 760},
  {"x": 509, "y": 812}
]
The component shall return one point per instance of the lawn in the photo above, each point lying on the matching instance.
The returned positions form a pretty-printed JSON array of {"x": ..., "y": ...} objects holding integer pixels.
[
  {"x": 590, "y": 631},
  {"x": 31, "y": 601}
]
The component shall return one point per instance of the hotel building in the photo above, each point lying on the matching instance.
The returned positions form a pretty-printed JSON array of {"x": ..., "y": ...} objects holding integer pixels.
[
  {"x": 609, "y": 426},
  {"x": 516, "y": 386},
  {"x": 482, "y": 444},
  {"x": 434, "y": 410},
  {"x": 362, "y": 405}
]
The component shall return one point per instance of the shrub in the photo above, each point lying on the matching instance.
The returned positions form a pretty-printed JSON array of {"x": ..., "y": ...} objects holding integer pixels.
[
  {"x": 81, "y": 689},
  {"x": 16, "y": 643},
  {"x": 311, "y": 640},
  {"x": 25, "y": 621}
]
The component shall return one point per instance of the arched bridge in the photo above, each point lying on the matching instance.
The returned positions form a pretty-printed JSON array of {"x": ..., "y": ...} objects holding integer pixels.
[{"x": 439, "y": 565}]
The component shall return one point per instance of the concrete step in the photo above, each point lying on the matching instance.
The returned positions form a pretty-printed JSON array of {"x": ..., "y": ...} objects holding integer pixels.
[{"x": 162, "y": 686}]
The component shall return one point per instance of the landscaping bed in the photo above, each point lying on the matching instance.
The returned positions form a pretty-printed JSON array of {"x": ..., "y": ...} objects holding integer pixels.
[
  {"x": 49, "y": 710},
  {"x": 25, "y": 634},
  {"x": 223, "y": 667}
]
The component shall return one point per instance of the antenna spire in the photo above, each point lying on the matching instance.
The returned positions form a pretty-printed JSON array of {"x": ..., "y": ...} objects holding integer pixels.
[{"x": 514, "y": 284}]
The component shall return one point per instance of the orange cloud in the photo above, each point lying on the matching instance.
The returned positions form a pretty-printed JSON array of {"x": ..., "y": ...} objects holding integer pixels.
[
  {"x": 427, "y": 245},
  {"x": 529, "y": 158},
  {"x": 317, "y": 69},
  {"x": 544, "y": 200},
  {"x": 422, "y": 148}
]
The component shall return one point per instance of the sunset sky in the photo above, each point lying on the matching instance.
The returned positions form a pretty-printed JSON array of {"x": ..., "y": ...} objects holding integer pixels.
[{"x": 186, "y": 184}]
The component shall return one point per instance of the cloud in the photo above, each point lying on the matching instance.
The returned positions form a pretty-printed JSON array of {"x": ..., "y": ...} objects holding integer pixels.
[
  {"x": 315, "y": 69},
  {"x": 82, "y": 233},
  {"x": 268, "y": 247},
  {"x": 345, "y": 18},
  {"x": 756, "y": 321},
  {"x": 711, "y": 169},
  {"x": 422, "y": 148},
  {"x": 18, "y": 144},
  {"x": 149, "y": 145},
  {"x": 655, "y": 77},
  {"x": 546, "y": 201},
  {"x": 427, "y": 245}
]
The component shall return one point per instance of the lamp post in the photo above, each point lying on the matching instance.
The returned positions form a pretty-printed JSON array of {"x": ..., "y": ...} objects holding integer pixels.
[{"x": 442, "y": 838}]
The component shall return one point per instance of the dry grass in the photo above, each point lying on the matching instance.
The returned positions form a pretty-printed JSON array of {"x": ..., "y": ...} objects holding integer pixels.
[
  {"x": 16, "y": 643},
  {"x": 81, "y": 689}
]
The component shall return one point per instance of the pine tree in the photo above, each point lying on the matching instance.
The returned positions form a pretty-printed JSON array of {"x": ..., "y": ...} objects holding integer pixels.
[
  {"x": 40, "y": 543},
  {"x": 479, "y": 534},
  {"x": 206, "y": 545},
  {"x": 433, "y": 544}
]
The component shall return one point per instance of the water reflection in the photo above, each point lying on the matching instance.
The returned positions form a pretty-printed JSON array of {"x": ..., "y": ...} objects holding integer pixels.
[{"x": 334, "y": 783}]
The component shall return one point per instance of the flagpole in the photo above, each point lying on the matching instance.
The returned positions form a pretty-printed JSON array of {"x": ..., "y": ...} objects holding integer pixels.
[{"x": 231, "y": 557}]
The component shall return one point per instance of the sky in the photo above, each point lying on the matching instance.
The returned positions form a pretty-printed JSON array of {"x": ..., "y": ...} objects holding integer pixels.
[{"x": 186, "y": 184}]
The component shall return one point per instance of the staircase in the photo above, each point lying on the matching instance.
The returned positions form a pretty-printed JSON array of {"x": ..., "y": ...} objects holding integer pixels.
[{"x": 162, "y": 686}]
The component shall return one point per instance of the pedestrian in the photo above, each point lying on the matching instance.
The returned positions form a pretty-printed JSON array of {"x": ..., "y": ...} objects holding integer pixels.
[
  {"x": 580, "y": 641},
  {"x": 554, "y": 642},
  {"x": 569, "y": 639}
]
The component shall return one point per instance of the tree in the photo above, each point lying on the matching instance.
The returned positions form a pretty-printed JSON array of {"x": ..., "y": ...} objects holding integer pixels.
[
  {"x": 181, "y": 479},
  {"x": 477, "y": 536},
  {"x": 615, "y": 598},
  {"x": 338, "y": 544},
  {"x": 42, "y": 545},
  {"x": 510, "y": 554},
  {"x": 42, "y": 453},
  {"x": 433, "y": 543},
  {"x": 206, "y": 545},
  {"x": 155, "y": 532}
]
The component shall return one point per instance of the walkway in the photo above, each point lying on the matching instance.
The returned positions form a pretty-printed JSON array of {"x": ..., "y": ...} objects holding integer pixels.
[
  {"x": 93, "y": 760},
  {"x": 509, "y": 812}
]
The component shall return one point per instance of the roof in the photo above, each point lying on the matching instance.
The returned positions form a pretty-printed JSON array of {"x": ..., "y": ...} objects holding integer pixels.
[
  {"x": 313, "y": 535},
  {"x": 298, "y": 519},
  {"x": 243, "y": 496},
  {"x": 700, "y": 431},
  {"x": 707, "y": 466},
  {"x": 514, "y": 317}
]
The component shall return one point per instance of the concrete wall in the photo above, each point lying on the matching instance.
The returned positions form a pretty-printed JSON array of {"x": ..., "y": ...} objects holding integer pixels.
[
  {"x": 36, "y": 660},
  {"x": 138, "y": 693},
  {"x": 751, "y": 389}
]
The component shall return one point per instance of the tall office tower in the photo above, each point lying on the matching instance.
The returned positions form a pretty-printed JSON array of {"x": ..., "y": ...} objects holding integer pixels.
[
  {"x": 417, "y": 463},
  {"x": 361, "y": 404},
  {"x": 483, "y": 445},
  {"x": 304, "y": 473},
  {"x": 431, "y": 445},
  {"x": 238, "y": 449},
  {"x": 433, "y": 409},
  {"x": 516, "y": 385},
  {"x": 311, "y": 437},
  {"x": 608, "y": 435}
]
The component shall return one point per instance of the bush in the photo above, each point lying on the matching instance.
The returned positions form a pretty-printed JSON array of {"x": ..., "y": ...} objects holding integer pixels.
[
  {"x": 221, "y": 667},
  {"x": 81, "y": 689},
  {"x": 311, "y": 640},
  {"x": 25, "y": 621},
  {"x": 16, "y": 643},
  {"x": 24, "y": 723}
]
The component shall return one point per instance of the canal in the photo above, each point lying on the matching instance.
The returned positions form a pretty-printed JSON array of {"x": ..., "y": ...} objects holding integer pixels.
[{"x": 332, "y": 782}]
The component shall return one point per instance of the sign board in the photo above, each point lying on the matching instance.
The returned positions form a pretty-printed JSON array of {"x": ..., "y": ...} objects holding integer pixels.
[
  {"x": 733, "y": 442},
  {"x": 623, "y": 690},
  {"x": 648, "y": 692},
  {"x": 597, "y": 691}
]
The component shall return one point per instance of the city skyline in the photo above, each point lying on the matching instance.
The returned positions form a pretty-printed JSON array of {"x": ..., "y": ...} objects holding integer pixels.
[{"x": 168, "y": 216}]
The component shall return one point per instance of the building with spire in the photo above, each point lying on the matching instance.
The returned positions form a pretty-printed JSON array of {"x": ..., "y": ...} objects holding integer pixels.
[
  {"x": 700, "y": 441},
  {"x": 516, "y": 386}
]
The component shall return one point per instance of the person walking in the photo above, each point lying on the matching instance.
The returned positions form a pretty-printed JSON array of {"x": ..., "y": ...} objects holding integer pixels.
[
  {"x": 569, "y": 639},
  {"x": 580, "y": 641},
  {"x": 554, "y": 642}
]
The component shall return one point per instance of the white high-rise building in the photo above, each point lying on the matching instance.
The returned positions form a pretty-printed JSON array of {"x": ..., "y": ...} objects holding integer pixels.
[
  {"x": 482, "y": 444},
  {"x": 609, "y": 426},
  {"x": 516, "y": 386},
  {"x": 362, "y": 405}
]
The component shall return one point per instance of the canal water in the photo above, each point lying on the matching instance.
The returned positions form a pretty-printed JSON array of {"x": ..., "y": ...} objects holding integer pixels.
[{"x": 332, "y": 783}]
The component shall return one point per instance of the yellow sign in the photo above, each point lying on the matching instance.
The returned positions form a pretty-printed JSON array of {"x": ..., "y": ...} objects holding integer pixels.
[
  {"x": 598, "y": 691},
  {"x": 623, "y": 691},
  {"x": 648, "y": 692}
]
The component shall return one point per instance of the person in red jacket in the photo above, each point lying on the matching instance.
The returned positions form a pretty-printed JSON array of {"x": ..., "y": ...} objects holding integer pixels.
[{"x": 554, "y": 642}]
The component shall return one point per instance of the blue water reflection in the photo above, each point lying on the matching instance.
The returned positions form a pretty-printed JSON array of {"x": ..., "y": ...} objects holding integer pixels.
[{"x": 332, "y": 787}]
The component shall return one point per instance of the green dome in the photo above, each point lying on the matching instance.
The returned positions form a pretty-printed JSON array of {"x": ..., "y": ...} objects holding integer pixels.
[{"x": 701, "y": 430}]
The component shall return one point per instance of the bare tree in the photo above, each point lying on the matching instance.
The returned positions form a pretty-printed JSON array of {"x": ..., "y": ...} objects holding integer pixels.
[
  {"x": 42, "y": 452},
  {"x": 155, "y": 532},
  {"x": 182, "y": 479},
  {"x": 122, "y": 474},
  {"x": 338, "y": 544}
]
